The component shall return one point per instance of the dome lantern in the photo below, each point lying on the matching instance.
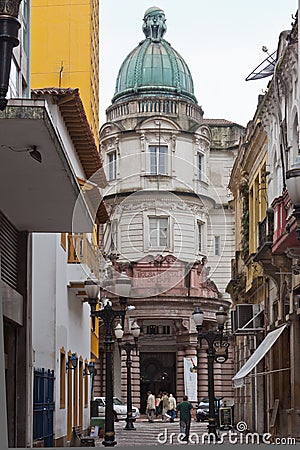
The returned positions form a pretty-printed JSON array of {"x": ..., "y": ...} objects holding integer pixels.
[
  {"x": 154, "y": 26},
  {"x": 154, "y": 67}
]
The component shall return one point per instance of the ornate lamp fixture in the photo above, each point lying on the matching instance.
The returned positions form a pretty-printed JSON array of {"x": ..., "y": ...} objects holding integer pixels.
[
  {"x": 9, "y": 28},
  {"x": 128, "y": 347},
  {"x": 108, "y": 315},
  {"x": 217, "y": 351},
  {"x": 71, "y": 364},
  {"x": 91, "y": 369}
]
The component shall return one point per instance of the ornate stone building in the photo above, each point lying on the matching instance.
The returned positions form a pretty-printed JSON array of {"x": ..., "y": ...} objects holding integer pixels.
[
  {"x": 171, "y": 226},
  {"x": 265, "y": 282}
]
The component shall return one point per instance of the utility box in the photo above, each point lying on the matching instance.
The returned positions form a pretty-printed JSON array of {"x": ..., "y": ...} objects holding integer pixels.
[{"x": 226, "y": 417}]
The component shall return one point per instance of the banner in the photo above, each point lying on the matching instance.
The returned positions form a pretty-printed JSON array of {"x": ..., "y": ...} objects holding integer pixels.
[{"x": 190, "y": 378}]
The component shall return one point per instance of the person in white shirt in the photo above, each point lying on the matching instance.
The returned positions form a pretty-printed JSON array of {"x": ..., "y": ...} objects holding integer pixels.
[
  {"x": 150, "y": 410},
  {"x": 172, "y": 408}
]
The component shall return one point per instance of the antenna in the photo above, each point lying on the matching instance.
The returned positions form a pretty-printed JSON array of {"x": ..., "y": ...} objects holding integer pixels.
[{"x": 266, "y": 68}]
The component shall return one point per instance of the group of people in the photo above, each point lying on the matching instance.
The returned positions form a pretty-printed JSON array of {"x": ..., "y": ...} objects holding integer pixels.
[{"x": 165, "y": 404}]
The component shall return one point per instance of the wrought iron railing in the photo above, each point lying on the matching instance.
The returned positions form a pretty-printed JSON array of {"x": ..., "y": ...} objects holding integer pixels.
[{"x": 265, "y": 231}]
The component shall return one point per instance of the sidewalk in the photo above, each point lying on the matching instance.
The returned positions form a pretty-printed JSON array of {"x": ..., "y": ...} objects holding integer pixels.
[{"x": 157, "y": 433}]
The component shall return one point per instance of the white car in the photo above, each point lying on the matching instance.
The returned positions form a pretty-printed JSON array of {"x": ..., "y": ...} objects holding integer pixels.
[{"x": 120, "y": 409}]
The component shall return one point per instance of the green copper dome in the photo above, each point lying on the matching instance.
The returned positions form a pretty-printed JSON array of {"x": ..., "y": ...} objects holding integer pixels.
[{"x": 154, "y": 67}]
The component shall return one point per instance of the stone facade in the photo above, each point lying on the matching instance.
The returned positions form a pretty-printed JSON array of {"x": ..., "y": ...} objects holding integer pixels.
[
  {"x": 267, "y": 251},
  {"x": 171, "y": 224}
]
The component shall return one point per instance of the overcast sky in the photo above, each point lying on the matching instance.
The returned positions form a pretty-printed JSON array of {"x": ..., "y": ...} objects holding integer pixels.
[{"x": 221, "y": 41}]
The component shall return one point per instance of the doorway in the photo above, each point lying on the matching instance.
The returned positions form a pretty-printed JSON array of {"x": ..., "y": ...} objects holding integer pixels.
[{"x": 158, "y": 374}]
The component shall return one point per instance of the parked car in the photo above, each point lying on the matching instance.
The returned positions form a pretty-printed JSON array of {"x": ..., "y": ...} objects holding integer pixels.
[
  {"x": 202, "y": 411},
  {"x": 119, "y": 408}
]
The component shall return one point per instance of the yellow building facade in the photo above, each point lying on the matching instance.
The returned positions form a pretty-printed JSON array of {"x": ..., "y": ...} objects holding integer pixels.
[
  {"x": 65, "y": 54},
  {"x": 65, "y": 50}
]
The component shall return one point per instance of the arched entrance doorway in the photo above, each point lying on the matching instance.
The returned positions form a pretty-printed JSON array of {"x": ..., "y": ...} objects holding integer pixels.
[{"x": 158, "y": 373}]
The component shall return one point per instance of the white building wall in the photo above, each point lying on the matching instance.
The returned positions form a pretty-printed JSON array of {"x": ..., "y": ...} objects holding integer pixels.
[
  {"x": 133, "y": 233},
  {"x": 60, "y": 319},
  {"x": 222, "y": 224},
  {"x": 133, "y": 164},
  {"x": 209, "y": 197}
]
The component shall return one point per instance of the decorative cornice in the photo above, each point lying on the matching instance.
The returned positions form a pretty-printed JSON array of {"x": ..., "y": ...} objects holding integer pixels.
[{"x": 162, "y": 204}]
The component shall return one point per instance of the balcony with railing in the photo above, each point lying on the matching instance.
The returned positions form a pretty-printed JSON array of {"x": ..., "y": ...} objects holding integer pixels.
[
  {"x": 284, "y": 225},
  {"x": 83, "y": 257},
  {"x": 265, "y": 231},
  {"x": 236, "y": 286}
]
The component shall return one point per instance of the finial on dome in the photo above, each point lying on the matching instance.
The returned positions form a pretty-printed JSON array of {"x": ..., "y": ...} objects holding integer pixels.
[{"x": 154, "y": 26}]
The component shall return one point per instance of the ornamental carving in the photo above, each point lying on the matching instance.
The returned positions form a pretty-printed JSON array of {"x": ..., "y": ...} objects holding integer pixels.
[
  {"x": 142, "y": 141},
  {"x": 129, "y": 124},
  {"x": 296, "y": 268},
  {"x": 201, "y": 145},
  {"x": 161, "y": 204},
  {"x": 10, "y": 7}
]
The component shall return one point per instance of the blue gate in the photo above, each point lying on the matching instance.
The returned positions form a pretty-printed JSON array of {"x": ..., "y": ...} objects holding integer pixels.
[{"x": 43, "y": 406}]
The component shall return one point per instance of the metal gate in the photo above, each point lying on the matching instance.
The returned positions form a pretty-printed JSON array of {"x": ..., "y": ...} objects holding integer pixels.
[{"x": 43, "y": 406}]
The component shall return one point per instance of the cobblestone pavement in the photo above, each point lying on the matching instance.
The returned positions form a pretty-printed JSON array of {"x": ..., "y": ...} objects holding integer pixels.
[{"x": 156, "y": 433}]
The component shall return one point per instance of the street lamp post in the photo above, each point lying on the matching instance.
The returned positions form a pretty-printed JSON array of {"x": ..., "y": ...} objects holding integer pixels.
[
  {"x": 108, "y": 315},
  {"x": 128, "y": 347},
  {"x": 217, "y": 351}
]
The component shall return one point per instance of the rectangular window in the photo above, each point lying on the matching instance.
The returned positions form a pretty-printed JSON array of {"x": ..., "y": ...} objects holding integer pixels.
[
  {"x": 200, "y": 159},
  {"x": 158, "y": 159},
  {"x": 158, "y": 232},
  {"x": 114, "y": 236},
  {"x": 151, "y": 329},
  {"x": 217, "y": 245},
  {"x": 112, "y": 165},
  {"x": 200, "y": 236}
]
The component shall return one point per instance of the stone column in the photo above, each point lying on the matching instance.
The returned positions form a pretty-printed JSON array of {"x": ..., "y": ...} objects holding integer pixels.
[
  {"x": 202, "y": 372},
  {"x": 179, "y": 374},
  {"x": 135, "y": 379}
]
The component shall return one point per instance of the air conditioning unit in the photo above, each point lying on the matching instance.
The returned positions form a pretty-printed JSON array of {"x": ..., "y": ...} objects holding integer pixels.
[{"x": 247, "y": 319}]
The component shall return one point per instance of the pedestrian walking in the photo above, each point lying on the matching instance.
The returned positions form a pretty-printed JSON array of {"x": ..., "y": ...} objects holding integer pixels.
[
  {"x": 158, "y": 405},
  {"x": 150, "y": 410},
  {"x": 172, "y": 408},
  {"x": 185, "y": 409},
  {"x": 165, "y": 407}
]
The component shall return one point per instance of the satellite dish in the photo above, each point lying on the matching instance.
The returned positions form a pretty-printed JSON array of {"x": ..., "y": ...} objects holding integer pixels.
[{"x": 265, "y": 69}]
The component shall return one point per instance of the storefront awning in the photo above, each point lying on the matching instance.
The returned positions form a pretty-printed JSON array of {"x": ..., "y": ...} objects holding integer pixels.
[{"x": 260, "y": 352}]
